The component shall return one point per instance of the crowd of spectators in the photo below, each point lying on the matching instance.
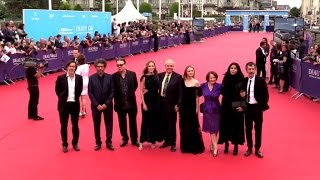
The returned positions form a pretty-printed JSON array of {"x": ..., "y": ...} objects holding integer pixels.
[{"x": 15, "y": 40}]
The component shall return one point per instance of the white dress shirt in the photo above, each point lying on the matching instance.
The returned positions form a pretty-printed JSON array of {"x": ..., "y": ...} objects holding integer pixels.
[
  {"x": 252, "y": 99},
  {"x": 164, "y": 80},
  {"x": 71, "y": 88}
]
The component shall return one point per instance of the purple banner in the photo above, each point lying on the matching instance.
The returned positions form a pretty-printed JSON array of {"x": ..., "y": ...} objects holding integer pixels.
[
  {"x": 310, "y": 82},
  {"x": 176, "y": 40},
  {"x": 135, "y": 46},
  {"x": 170, "y": 41},
  {"x": 145, "y": 45},
  {"x": 92, "y": 53},
  {"x": 54, "y": 59},
  {"x": 163, "y": 42},
  {"x": 295, "y": 75},
  {"x": 14, "y": 66},
  {"x": 123, "y": 49},
  {"x": 67, "y": 55},
  {"x": 191, "y": 36},
  {"x": 236, "y": 28},
  {"x": 108, "y": 52},
  {"x": 182, "y": 38}
]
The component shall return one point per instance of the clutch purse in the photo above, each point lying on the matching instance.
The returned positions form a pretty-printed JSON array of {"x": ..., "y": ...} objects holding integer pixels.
[{"x": 237, "y": 104}]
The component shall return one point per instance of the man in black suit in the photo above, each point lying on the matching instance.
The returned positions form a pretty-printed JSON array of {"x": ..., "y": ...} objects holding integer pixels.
[
  {"x": 261, "y": 60},
  {"x": 171, "y": 93},
  {"x": 68, "y": 89},
  {"x": 256, "y": 92},
  {"x": 126, "y": 83},
  {"x": 101, "y": 90}
]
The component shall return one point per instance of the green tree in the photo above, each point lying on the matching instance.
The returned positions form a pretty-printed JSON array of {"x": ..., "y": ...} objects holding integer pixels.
[
  {"x": 108, "y": 7},
  {"x": 65, "y": 6},
  {"x": 77, "y": 8},
  {"x": 3, "y": 11},
  {"x": 16, "y": 6},
  {"x": 174, "y": 8},
  {"x": 294, "y": 12},
  {"x": 145, "y": 7}
]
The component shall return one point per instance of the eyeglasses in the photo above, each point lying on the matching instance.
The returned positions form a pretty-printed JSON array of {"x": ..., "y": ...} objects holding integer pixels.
[{"x": 120, "y": 65}]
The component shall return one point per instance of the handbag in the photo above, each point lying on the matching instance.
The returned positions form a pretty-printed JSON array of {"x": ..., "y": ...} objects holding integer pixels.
[
  {"x": 201, "y": 107},
  {"x": 237, "y": 104}
]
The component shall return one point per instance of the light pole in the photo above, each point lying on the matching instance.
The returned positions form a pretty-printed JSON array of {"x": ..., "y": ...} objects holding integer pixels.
[
  {"x": 159, "y": 9},
  {"x": 117, "y": 6},
  {"x": 191, "y": 9},
  {"x": 138, "y": 4},
  {"x": 202, "y": 8},
  {"x": 179, "y": 13}
]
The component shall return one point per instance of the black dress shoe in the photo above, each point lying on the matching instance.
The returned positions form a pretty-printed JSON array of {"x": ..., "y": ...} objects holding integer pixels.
[
  {"x": 110, "y": 147},
  {"x": 164, "y": 145},
  {"x": 64, "y": 149},
  {"x": 38, "y": 118},
  {"x": 235, "y": 150},
  {"x": 258, "y": 154},
  {"x": 248, "y": 152},
  {"x": 173, "y": 149},
  {"x": 76, "y": 147},
  {"x": 226, "y": 148},
  {"x": 136, "y": 144},
  {"x": 98, "y": 147},
  {"x": 123, "y": 143}
]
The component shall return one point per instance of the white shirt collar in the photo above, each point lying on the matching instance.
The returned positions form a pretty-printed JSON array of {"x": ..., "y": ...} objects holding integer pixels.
[{"x": 254, "y": 77}]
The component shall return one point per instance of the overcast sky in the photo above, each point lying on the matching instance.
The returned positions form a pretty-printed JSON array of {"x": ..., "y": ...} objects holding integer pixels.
[{"x": 291, "y": 3}]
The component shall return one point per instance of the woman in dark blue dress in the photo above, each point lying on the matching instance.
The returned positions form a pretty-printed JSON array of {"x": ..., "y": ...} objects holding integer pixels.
[{"x": 211, "y": 92}]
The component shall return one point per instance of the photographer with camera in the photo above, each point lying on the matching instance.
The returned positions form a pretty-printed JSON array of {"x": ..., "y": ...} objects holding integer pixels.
[{"x": 32, "y": 75}]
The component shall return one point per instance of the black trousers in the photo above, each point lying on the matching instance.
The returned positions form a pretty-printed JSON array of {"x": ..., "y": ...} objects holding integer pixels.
[
  {"x": 108, "y": 122},
  {"x": 122, "y": 115},
  {"x": 73, "y": 109},
  {"x": 33, "y": 102},
  {"x": 169, "y": 118},
  {"x": 254, "y": 115},
  {"x": 261, "y": 68},
  {"x": 273, "y": 73}
]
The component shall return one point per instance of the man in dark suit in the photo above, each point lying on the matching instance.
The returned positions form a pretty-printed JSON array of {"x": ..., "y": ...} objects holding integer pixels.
[
  {"x": 101, "y": 90},
  {"x": 68, "y": 89},
  {"x": 261, "y": 60},
  {"x": 256, "y": 92},
  {"x": 126, "y": 83},
  {"x": 171, "y": 93}
]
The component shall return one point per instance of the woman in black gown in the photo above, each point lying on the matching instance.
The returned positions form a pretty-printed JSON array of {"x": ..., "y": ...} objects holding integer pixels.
[
  {"x": 190, "y": 134},
  {"x": 232, "y": 120},
  {"x": 150, "y": 105},
  {"x": 156, "y": 41}
]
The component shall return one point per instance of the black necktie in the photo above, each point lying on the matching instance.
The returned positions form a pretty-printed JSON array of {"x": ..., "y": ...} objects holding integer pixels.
[
  {"x": 165, "y": 85},
  {"x": 248, "y": 94}
]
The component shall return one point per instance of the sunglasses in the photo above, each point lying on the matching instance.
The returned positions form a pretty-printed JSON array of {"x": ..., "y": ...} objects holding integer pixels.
[{"x": 120, "y": 65}]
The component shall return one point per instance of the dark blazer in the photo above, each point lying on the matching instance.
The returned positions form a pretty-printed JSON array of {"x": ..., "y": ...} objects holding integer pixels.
[
  {"x": 132, "y": 87},
  {"x": 260, "y": 57},
  {"x": 261, "y": 93},
  {"x": 98, "y": 93},
  {"x": 62, "y": 89},
  {"x": 174, "y": 89}
]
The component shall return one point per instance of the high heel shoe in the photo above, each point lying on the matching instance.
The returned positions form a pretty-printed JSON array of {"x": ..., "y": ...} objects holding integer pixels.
[
  {"x": 80, "y": 114},
  {"x": 226, "y": 148},
  {"x": 153, "y": 146},
  {"x": 140, "y": 146},
  {"x": 235, "y": 150},
  {"x": 215, "y": 154}
]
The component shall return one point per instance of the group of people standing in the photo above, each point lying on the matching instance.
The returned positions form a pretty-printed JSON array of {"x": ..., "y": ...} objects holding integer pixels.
[{"x": 165, "y": 97}]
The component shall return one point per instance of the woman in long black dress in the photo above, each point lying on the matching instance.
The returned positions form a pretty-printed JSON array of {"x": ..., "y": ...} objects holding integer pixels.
[
  {"x": 190, "y": 134},
  {"x": 150, "y": 105},
  {"x": 232, "y": 119},
  {"x": 156, "y": 41}
]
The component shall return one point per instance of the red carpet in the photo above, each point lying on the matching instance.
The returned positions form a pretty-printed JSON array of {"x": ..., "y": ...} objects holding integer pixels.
[{"x": 32, "y": 150}]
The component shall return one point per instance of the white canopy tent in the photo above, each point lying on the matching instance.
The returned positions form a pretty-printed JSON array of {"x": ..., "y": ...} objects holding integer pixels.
[{"x": 128, "y": 13}]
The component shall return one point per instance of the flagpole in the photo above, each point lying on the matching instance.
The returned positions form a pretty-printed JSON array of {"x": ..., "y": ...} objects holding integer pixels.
[
  {"x": 50, "y": 4},
  {"x": 159, "y": 9},
  {"x": 117, "y": 6},
  {"x": 202, "y": 8},
  {"x": 179, "y": 10},
  {"x": 138, "y": 4},
  {"x": 103, "y": 5}
]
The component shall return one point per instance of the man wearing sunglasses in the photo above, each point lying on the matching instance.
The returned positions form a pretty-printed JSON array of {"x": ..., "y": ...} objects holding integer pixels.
[{"x": 126, "y": 83}]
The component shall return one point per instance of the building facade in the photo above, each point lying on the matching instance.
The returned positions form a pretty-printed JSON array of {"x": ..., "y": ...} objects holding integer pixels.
[{"x": 310, "y": 11}]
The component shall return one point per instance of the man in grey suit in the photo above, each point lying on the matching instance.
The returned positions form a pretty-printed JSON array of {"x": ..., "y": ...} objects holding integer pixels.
[{"x": 101, "y": 91}]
